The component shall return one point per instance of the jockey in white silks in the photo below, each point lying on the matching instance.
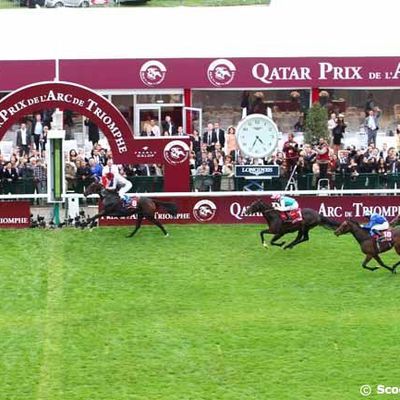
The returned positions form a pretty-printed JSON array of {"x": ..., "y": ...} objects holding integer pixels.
[
  {"x": 112, "y": 181},
  {"x": 285, "y": 204}
]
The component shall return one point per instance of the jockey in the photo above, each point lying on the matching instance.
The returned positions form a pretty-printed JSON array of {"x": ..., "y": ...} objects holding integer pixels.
[
  {"x": 377, "y": 223},
  {"x": 111, "y": 181},
  {"x": 285, "y": 204}
]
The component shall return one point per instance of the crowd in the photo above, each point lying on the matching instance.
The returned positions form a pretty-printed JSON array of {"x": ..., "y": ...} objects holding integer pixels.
[{"x": 213, "y": 155}]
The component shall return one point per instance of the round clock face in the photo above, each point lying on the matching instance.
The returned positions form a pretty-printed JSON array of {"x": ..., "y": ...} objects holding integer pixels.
[{"x": 257, "y": 135}]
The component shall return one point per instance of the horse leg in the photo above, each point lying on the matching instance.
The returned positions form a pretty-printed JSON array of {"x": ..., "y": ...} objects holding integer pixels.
[
  {"x": 298, "y": 240},
  {"x": 157, "y": 223},
  {"x": 275, "y": 238},
  {"x": 366, "y": 261},
  {"x": 395, "y": 266},
  {"x": 262, "y": 233},
  {"x": 90, "y": 221},
  {"x": 381, "y": 263},
  {"x": 138, "y": 225},
  {"x": 305, "y": 238}
]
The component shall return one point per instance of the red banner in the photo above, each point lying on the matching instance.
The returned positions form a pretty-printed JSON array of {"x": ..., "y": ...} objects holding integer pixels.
[
  {"x": 207, "y": 72},
  {"x": 232, "y": 209},
  {"x": 233, "y": 72},
  {"x": 14, "y": 214},
  {"x": 17, "y": 73}
]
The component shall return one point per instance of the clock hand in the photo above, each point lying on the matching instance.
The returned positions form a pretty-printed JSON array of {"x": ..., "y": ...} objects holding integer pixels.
[
  {"x": 255, "y": 141},
  {"x": 258, "y": 138}
]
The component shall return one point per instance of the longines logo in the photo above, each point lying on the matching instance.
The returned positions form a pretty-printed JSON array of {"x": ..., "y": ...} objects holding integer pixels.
[
  {"x": 153, "y": 72},
  {"x": 144, "y": 152},
  {"x": 221, "y": 72}
]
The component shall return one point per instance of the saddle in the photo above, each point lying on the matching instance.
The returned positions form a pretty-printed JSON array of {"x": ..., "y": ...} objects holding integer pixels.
[
  {"x": 292, "y": 216},
  {"x": 384, "y": 240}
]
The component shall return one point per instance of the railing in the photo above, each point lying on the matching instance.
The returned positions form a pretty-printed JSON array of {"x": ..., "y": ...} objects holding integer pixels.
[{"x": 155, "y": 184}]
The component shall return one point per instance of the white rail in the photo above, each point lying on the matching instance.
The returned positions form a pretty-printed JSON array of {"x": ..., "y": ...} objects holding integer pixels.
[{"x": 322, "y": 192}]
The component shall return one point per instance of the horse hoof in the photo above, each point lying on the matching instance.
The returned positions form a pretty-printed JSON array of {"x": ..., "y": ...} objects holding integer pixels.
[
  {"x": 265, "y": 245},
  {"x": 166, "y": 235}
]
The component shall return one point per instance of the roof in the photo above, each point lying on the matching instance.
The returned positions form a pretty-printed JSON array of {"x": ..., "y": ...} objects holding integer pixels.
[{"x": 286, "y": 28}]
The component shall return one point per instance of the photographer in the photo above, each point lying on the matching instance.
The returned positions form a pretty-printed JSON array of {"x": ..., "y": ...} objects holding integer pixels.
[
  {"x": 322, "y": 150},
  {"x": 291, "y": 150}
]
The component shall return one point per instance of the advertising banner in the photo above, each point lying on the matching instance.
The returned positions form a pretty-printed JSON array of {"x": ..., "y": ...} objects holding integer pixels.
[
  {"x": 232, "y": 209},
  {"x": 234, "y": 72},
  {"x": 14, "y": 214}
]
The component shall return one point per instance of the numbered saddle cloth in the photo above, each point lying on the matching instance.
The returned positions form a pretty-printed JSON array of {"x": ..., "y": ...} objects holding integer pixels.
[
  {"x": 292, "y": 216},
  {"x": 134, "y": 201},
  {"x": 384, "y": 241}
]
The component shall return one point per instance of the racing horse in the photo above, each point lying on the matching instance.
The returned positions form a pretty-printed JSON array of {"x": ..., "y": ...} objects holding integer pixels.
[
  {"x": 279, "y": 228},
  {"x": 112, "y": 206},
  {"x": 369, "y": 246}
]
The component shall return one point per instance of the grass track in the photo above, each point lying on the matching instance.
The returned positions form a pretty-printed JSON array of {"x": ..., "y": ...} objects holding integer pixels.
[{"x": 205, "y": 314}]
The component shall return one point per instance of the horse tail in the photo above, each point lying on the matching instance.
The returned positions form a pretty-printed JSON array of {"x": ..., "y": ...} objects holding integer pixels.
[
  {"x": 170, "y": 208},
  {"x": 328, "y": 223}
]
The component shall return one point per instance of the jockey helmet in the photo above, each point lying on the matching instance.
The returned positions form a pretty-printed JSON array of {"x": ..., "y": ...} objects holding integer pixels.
[
  {"x": 367, "y": 214},
  {"x": 276, "y": 197}
]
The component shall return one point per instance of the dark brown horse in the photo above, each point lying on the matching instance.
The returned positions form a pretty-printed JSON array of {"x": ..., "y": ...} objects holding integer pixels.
[
  {"x": 368, "y": 244},
  {"x": 112, "y": 206},
  {"x": 279, "y": 228}
]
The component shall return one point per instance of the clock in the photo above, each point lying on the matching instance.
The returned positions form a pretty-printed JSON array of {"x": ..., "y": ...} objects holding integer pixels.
[{"x": 257, "y": 136}]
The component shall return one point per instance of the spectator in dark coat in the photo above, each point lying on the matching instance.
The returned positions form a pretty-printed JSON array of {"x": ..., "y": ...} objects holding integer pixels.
[{"x": 93, "y": 131}]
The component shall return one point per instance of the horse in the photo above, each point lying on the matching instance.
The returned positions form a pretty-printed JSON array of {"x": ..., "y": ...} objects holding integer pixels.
[
  {"x": 279, "y": 228},
  {"x": 368, "y": 244},
  {"x": 112, "y": 206}
]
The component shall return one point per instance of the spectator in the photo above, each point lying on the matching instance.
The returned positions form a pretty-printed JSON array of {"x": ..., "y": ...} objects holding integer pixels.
[
  {"x": 73, "y": 155},
  {"x": 70, "y": 174},
  {"x": 338, "y": 133},
  {"x": 291, "y": 150},
  {"x": 10, "y": 178},
  {"x": 39, "y": 175},
  {"x": 96, "y": 169},
  {"x": 37, "y": 130},
  {"x": 209, "y": 137},
  {"x": 169, "y": 126},
  {"x": 322, "y": 150},
  {"x": 93, "y": 131},
  {"x": 216, "y": 173},
  {"x": 195, "y": 142},
  {"x": 231, "y": 142},
  {"x": 227, "y": 179},
  {"x": 220, "y": 134},
  {"x": 372, "y": 124},
  {"x": 203, "y": 181},
  {"x": 43, "y": 139},
  {"x": 180, "y": 131},
  {"x": 24, "y": 140},
  {"x": 83, "y": 176},
  {"x": 155, "y": 129},
  {"x": 25, "y": 171}
]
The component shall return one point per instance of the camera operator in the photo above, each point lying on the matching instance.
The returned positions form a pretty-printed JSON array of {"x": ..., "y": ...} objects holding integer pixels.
[
  {"x": 322, "y": 150},
  {"x": 291, "y": 150}
]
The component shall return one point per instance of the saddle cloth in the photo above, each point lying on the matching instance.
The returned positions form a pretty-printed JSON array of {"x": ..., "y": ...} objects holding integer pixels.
[
  {"x": 133, "y": 202},
  {"x": 384, "y": 241},
  {"x": 292, "y": 216}
]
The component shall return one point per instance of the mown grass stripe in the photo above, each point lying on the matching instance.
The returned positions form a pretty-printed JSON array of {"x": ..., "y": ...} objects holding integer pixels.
[{"x": 50, "y": 379}]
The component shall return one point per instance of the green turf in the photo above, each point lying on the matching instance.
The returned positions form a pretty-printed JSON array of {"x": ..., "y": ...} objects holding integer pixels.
[{"x": 204, "y": 314}]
